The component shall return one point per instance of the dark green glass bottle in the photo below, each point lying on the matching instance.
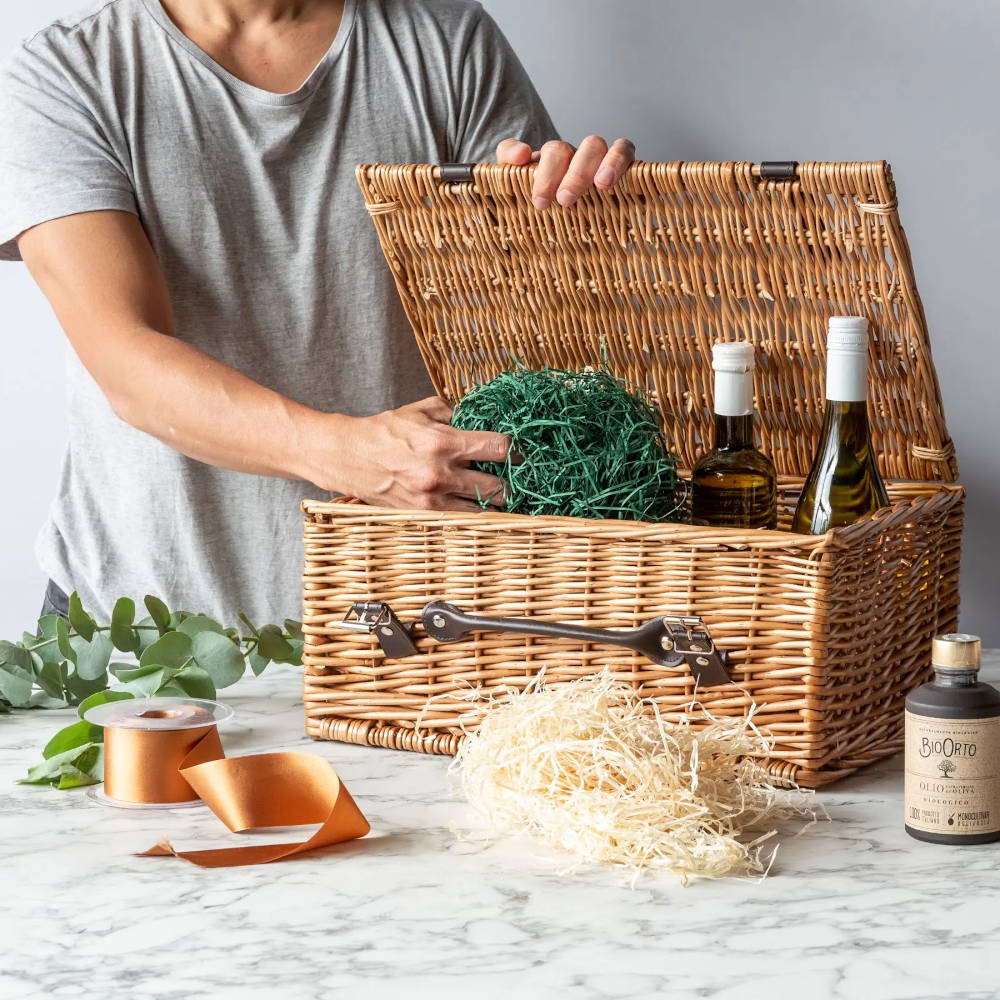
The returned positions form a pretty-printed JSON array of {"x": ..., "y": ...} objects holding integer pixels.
[
  {"x": 844, "y": 482},
  {"x": 734, "y": 484}
]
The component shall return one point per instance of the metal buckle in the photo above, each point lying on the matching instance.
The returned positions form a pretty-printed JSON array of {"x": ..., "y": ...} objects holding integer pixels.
[
  {"x": 688, "y": 636},
  {"x": 378, "y": 619}
]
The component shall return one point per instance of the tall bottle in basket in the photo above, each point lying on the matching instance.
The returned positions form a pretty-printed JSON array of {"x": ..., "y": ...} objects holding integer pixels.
[
  {"x": 843, "y": 483},
  {"x": 733, "y": 485}
]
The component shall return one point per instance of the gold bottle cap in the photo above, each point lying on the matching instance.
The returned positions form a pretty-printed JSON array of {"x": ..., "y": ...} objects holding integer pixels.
[{"x": 955, "y": 651}]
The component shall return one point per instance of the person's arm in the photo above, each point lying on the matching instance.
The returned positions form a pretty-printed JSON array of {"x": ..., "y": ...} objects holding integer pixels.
[{"x": 100, "y": 274}]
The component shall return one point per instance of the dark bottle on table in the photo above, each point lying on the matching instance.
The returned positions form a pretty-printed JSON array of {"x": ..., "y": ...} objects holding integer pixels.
[
  {"x": 952, "y": 758},
  {"x": 843, "y": 483},
  {"x": 734, "y": 484}
]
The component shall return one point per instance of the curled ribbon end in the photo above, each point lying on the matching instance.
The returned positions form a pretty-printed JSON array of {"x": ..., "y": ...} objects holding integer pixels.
[{"x": 161, "y": 849}]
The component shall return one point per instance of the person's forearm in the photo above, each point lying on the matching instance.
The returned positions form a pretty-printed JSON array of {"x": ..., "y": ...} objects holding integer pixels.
[
  {"x": 209, "y": 411},
  {"x": 105, "y": 285}
]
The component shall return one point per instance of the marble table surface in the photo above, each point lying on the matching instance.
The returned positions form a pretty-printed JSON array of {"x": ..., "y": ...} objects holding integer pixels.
[{"x": 853, "y": 908}]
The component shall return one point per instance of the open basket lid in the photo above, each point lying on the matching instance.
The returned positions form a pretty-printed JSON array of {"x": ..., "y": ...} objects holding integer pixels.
[{"x": 648, "y": 276}]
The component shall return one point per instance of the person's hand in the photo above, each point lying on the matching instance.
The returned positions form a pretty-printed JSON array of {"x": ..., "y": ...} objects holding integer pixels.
[
  {"x": 412, "y": 457},
  {"x": 564, "y": 173}
]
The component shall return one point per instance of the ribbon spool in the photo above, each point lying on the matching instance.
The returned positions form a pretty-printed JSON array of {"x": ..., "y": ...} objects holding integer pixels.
[
  {"x": 145, "y": 744},
  {"x": 161, "y": 752}
]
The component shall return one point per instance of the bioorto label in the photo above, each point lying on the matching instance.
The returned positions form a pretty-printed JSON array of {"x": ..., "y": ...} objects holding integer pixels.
[{"x": 952, "y": 775}]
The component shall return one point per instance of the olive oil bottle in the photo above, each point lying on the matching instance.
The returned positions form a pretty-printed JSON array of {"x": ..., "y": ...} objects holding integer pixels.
[
  {"x": 952, "y": 758},
  {"x": 843, "y": 483},
  {"x": 734, "y": 484}
]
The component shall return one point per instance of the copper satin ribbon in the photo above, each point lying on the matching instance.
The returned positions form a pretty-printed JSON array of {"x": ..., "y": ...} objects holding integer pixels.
[{"x": 260, "y": 790}]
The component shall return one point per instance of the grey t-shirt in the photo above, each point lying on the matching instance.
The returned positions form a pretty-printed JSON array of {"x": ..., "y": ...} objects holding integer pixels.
[{"x": 273, "y": 266}]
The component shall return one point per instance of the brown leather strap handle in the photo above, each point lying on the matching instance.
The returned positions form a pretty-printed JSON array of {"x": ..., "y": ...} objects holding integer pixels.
[{"x": 668, "y": 641}]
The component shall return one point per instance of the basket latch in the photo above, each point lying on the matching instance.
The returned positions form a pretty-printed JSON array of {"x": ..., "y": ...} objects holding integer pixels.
[
  {"x": 378, "y": 619},
  {"x": 689, "y": 637}
]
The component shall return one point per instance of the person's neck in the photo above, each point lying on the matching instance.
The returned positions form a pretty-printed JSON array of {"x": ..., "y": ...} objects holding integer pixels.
[
  {"x": 234, "y": 12},
  {"x": 271, "y": 44}
]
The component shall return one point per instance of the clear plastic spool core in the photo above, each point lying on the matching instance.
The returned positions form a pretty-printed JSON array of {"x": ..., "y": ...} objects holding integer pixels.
[{"x": 162, "y": 713}]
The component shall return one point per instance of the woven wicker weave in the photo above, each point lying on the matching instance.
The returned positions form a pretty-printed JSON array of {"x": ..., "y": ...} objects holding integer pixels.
[{"x": 826, "y": 634}]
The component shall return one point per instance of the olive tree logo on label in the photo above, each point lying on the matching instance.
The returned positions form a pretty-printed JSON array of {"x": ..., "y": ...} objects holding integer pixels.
[{"x": 947, "y": 768}]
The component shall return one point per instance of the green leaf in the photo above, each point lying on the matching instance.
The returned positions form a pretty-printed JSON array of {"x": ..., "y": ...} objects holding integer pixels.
[
  {"x": 80, "y": 689},
  {"x": 144, "y": 681},
  {"x": 79, "y": 619},
  {"x": 170, "y": 650},
  {"x": 148, "y": 633},
  {"x": 92, "y": 661},
  {"x": 170, "y": 690},
  {"x": 194, "y": 683},
  {"x": 123, "y": 635},
  {"x": 62, "y": 641},
  {"x": 295, "y": 656},
  {"x": 293, "y": 628},
  {"x": 219, "y": 658},
  {"x": 71, "y": 737},
  {"x": 71, "y": 776},
  {"x": 45, "y": 645},
  {"x": 199, "y": 623},
  {"x": 101, "y": 698},
  {"x": 258, "y": 663},
  {"x": 41, "y": 700},
  {"x": 83, "y": 765},
  {"x": 14, "y": 654},
  {"x": 159, "y": 612},
  {"x": 273, "y": 644},
  {"x": 51, "y": 678},
  {"x": 123, "y": 612},
  {"x": 48, "y": 626},
  {"x": 16, "y": 684}
]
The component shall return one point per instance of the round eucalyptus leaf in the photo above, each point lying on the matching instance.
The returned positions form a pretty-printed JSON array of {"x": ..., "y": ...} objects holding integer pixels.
[
  {"x": 79, "y": 619},
  {"x": 92, "y": 661},
  {"x": 101, "y": 698},
  {"x": 273, "y": 644},
  {"x": 170, "y": 650},
  {"x": 159, "y": 612},
  {"x": 200, "y": 623},
  {"x": 219, "y": 658},
  {"x": 16, "y": 684}
]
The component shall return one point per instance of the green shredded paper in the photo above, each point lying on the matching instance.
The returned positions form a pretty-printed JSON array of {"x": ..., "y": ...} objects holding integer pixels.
[{"x": 583, "y": 445}]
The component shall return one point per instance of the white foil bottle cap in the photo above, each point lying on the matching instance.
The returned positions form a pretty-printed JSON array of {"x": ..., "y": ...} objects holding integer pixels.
[
  {"x": 737, "y": 358},
  {"x": 847, "y": 334}
]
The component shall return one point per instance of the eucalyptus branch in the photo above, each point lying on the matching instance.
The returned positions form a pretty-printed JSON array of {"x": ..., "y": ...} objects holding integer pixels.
[{"x": 175, "y": 653}]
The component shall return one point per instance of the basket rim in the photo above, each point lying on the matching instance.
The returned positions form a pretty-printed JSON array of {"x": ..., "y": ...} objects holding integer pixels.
[{"x": 925, "y": 493}]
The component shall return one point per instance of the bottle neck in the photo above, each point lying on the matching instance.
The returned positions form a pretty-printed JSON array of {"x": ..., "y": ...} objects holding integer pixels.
[
  {"x": 733, "y": 433},
  {"x": 847, "y": 376},
  {"x": 849, "y": 420},
  {"x": 956, "y": 678}
]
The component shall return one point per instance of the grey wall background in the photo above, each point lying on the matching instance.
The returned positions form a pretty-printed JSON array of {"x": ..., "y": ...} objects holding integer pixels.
[{"x": 916, "y": 82}]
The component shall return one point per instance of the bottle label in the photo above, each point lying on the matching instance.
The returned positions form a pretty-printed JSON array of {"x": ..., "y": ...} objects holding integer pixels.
[
  {"x": 952, "y": 775},
  {"x": 733, "y": 393},
  {"x": 847, "y": 376}
]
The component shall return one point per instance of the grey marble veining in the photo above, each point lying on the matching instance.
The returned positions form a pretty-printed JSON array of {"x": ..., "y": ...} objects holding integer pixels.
[{"x": 853, "y": 909}]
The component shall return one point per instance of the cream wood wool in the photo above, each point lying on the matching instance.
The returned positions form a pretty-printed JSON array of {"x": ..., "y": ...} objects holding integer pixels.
[{"x": 826, "y": 634}]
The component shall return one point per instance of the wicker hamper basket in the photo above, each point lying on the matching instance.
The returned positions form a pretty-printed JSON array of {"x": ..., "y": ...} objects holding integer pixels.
[{"x": 825, "y": 634}]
